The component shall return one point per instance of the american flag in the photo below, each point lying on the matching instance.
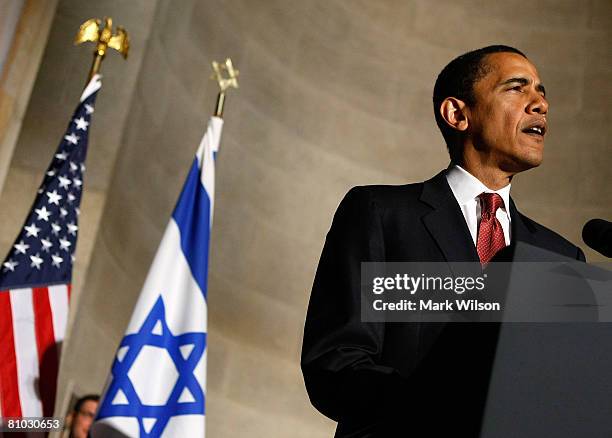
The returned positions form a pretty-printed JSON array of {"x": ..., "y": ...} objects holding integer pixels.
[{"x": 35, "y": 277}]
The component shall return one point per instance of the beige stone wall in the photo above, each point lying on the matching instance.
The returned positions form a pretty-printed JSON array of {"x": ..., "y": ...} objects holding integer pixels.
[
  {"x": 333, "y": 94},
  {"x": 24, "y": 29}
]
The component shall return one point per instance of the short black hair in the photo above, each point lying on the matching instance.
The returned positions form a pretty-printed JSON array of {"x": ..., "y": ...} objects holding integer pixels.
[
  {"x": 457, "y": 80},
  {"x": 89, "y": 397}
]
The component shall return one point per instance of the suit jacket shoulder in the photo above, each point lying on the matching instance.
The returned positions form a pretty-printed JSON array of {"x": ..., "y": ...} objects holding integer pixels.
[
  {"x": 386, "y": 195},
  {"x": 550, "y": 240}
]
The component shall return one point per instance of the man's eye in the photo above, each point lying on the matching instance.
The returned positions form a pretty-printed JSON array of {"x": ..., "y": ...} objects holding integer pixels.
[{"x": 517, "y": 88}]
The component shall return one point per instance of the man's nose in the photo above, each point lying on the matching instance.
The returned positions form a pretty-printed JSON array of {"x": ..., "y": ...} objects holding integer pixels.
[{"x": 538, "y": 104}]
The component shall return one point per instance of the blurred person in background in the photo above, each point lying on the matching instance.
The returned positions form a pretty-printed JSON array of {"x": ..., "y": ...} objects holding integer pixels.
[{"x": 81, "y": 418}]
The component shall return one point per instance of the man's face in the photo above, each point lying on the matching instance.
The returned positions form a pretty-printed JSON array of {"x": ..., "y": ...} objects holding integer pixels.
[
  {"x": 507, "y": 123},
  {"x": 83, "y": 418}
]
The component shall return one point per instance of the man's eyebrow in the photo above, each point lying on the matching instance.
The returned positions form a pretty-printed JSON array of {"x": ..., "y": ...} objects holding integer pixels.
[{"x": 524, "y": 82}]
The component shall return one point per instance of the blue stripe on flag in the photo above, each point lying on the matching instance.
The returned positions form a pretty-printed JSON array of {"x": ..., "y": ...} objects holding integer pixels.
[{"x": 192, "y": 215}]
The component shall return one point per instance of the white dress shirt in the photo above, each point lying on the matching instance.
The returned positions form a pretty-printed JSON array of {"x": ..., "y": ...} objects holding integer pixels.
[{"x": 466, "y": 188}]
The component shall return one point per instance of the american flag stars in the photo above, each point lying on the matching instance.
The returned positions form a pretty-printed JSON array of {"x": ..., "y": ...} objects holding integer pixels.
[
  {"x": 81, "y": 123},
  {"x": 55, "y": 229},
  {"x": 72, "y": 138},
  {"x": 46, "y": 244},
  {"x": 21, "y": 247},
  {"x": 36, "y": 261},
  {"x": 56, "y": 260},
  {"x": 43, "y": 213},
  {"x": 54, "y": 197},
  {"x": 31, "y": 230},
  {"x": 48, "y": 238},
  {"x": 72, "y": 228},
  {"x": 64, "y": 182},
  {"x": 10, "y": 265},
  {"x": 65, "y": 244}
]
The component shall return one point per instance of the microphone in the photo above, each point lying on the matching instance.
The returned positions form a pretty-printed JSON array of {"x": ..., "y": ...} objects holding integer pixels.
[{"x": 597, "y": 233}]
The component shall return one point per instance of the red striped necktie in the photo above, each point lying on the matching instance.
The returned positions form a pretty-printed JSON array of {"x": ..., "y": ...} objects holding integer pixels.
[{"x": 490, "y": 233}]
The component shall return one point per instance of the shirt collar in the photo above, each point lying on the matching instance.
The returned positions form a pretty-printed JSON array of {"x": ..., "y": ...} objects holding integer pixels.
[{"x": 466, "y": 187}]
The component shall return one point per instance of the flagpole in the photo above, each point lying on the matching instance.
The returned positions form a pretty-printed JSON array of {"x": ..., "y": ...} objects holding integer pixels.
[
  {"x": 92, "y": 30},
  {"x": 220, "y": 104},
  {"x": 225, "y": 82}
]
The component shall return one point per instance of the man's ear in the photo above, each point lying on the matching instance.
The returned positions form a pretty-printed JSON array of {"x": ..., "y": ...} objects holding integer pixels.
[{"x": 454, "y": 113}]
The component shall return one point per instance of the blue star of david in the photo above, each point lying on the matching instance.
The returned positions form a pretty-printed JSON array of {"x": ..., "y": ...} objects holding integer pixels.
[{"x": 186, "y": 379}]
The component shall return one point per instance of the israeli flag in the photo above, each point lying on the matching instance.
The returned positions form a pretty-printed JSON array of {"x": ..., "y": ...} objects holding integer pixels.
[{"x": 158, "y": 379}]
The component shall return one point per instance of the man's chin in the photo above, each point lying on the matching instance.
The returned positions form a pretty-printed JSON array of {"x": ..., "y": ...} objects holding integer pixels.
[
  {"x": 532, "y": 155},
  {"x": 532, "y": 162},
  {"x": 523, "y": 163}
]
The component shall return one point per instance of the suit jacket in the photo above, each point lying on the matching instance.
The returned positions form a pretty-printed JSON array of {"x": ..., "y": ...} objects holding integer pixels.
[{"x": 400, "y": 379}]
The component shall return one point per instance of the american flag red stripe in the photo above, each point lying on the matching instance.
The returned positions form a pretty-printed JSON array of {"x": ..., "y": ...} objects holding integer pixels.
[
  {"x": 48, "y": 357},
  {"x": 9, "y": 389},
  {"x": 31, "y": 316}
]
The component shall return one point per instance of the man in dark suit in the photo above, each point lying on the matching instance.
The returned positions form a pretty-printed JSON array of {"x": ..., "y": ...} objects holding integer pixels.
[{"x": 429, "y": 379}]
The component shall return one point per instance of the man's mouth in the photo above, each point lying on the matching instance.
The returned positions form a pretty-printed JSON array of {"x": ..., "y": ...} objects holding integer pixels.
[{"x": 537, "y": 129}]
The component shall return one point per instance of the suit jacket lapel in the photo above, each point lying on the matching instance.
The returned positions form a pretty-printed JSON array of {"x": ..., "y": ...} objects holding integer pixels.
[
  {"x": 521, "y": 230},
  {"x": 446, "y": 223}
]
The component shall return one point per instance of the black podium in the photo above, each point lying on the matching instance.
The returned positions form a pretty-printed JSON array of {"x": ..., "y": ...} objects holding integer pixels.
[{"x": 554, "y": 379}]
